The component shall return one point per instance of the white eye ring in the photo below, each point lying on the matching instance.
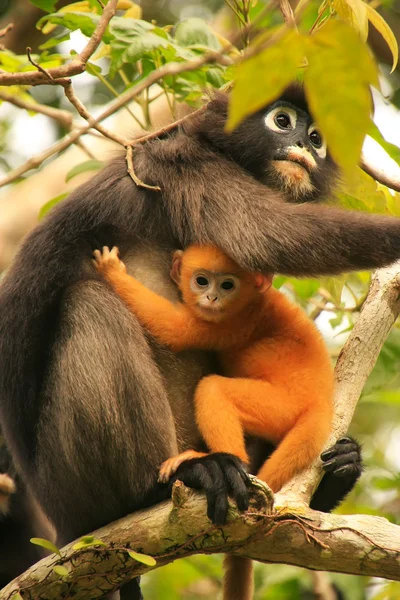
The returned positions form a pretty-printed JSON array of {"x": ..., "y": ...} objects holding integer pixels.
[
  {"x": 320, "y": 151},
  {"x": 269, "y": 118}
]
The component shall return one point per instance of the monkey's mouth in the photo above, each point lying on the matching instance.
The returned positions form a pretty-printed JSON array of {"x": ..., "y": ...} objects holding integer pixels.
[{"x": 298, "y": 160}]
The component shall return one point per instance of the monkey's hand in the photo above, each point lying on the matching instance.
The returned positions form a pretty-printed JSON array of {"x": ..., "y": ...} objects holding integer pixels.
[
  {"x": 106, "y": 260},
  {"x": 219, "y": 475},
  {"x": 7, "y": 488},
  {"x": 170, "y": 466},
  {"x": 343, "y": 465}
]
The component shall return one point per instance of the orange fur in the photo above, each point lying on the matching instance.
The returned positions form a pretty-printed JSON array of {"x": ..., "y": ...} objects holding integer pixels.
[{"x": 278, "y": 378}]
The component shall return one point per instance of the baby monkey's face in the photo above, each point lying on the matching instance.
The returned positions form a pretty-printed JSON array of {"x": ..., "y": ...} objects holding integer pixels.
[{"x": 216, "y": 293}]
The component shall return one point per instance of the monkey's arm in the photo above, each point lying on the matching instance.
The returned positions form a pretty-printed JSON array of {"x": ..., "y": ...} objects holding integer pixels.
[{"x": 171, "y": 324}]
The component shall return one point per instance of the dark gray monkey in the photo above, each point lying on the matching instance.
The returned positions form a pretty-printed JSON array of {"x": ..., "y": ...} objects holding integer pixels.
[{"x": 91, "y": 407}]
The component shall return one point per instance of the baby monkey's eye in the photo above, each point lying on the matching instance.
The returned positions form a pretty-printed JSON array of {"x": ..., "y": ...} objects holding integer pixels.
[
  {"x": 227, "y": 285},
  {"x": 201, "y": 281}
]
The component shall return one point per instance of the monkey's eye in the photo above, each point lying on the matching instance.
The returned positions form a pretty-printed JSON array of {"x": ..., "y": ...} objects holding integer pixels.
[
  {"x": 202, "y": 281},
  {"x": 282, "y": 120},
  {"x": 227, "y": 285},
  {"x": 315, "y": 139}
]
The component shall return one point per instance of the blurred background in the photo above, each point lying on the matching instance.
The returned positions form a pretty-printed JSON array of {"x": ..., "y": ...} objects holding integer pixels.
[{"x": 333, "y": 302}]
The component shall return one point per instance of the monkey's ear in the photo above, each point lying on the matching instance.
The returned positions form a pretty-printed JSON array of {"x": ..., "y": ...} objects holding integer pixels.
[
  {"x": 176, "y": 266},
  {"x": 263, "y": 282}
]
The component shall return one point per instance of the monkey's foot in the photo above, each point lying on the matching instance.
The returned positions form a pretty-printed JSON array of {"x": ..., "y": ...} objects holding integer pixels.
[
  {"x": 7, "y": 487},
  {"x": 106, "y": 259},
  {"x": 170, "y": 466}
]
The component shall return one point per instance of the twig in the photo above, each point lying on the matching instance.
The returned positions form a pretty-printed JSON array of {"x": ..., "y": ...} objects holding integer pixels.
[
  {"x": 85, "y": 149},
  {"x": 39, "y": 68},
  {"x": 62, "y": 116},
  {"x": 6, "y": 29},
  {"x": 76, "y": 66},
  {"x": 84, "y": 113},
  {"x": 287, "y": 13},
  {"x": 131, "y": 171}
]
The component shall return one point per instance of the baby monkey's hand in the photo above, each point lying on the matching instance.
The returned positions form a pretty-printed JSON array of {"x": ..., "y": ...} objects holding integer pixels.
[{"x": 105, "y": 260}]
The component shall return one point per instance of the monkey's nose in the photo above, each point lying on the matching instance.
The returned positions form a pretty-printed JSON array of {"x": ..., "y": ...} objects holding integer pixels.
[
  {"x": 212, "y": 298},
  {"x": 300, "y": 144}
]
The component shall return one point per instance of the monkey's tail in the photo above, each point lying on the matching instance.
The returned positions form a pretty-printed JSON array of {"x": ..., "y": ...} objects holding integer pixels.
[{"x": 238, "y": 578}]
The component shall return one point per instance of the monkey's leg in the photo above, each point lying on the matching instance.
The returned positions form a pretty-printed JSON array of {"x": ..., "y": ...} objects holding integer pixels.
[
  {"x": 226, "y": 408},
  {"x": 298, "y": 449}
]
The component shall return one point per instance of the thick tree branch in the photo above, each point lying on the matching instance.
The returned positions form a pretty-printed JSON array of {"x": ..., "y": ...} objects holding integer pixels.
[
  {"x": 381, "y": 175},
  {"x": 352, "y": 544},
  {"x": 354, "y": 365}
]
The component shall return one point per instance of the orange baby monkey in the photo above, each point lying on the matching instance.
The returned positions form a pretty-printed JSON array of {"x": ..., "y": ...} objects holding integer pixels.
[{"x": 278, "y": 378}]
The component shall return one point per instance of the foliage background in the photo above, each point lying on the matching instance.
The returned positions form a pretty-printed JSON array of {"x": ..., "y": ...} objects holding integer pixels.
[{"x": 126, "y": 56}]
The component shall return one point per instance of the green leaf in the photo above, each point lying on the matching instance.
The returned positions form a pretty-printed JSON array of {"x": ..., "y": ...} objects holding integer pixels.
[
  {"x": 86, "y": 22},
  {"x": 142, "y": 45},
  {"x": 45, "y": 544},
  {"x": 196, "y": 32},
  {"x": 380, "y": 24},
  {"x": 88, "y": 165},
  {"x": 87, "y": 541},
  {"x": 143, "y": 558},
  {"x": 337, "y": 57},
  {"x": 127, "y": 30},
  {"x": 62, "y": 571},
  {"x": 54, "y": 41},
  {"x": 49, "y": 205},
  {"x": 353, "y": 12},
  {"x": 46, "y": 5},
  {"x": 16, "y": 596},
  {"x": 280, "y": 61},
  {"x": 391, "y": 149}
]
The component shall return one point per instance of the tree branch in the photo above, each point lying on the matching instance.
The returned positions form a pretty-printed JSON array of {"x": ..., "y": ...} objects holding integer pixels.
[
  {"x": 62, "y": 116},
  {"x": 76, "y": 66},
  {"x": 391, "y": 181},
  {"x": 358, "y": 544},
  {"x": 354, "y": 365}
]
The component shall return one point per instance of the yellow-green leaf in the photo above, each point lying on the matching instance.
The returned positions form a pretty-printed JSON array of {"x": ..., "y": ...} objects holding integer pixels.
[
  {"x": 340, "y": 71},
  {"x": 262, "y": 78},
  {"x": 87, "y": 541},
  {"x": 61, "y": 571},
  {"x": 353, "y": 12},
  {"x": 380, "y": 24},
  {"x": 48, "y": 206},
  {"x": 391, "y": 149},
  {"x": 45, "y": 544},
  {"x": 143, "y": 558},
  {"x": 16, "y": 596}
]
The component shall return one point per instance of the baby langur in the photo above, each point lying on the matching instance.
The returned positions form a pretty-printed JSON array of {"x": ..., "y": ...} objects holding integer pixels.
[{"x": 277, "y": 380}]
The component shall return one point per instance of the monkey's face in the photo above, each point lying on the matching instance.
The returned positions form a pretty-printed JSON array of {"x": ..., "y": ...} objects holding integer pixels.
[
  {"x": 281, "y": 146},
  {"x": 215, "y": 295},
  {"x": 297, "y": 150}
]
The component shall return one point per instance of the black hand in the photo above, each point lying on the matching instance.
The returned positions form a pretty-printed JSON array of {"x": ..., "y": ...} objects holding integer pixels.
[
  {"x": 220, "y": 475},
  {"x": 342, "y": 464}
]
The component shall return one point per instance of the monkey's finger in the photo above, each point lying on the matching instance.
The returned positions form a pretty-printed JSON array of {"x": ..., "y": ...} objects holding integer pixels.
[
  {"x": 114, "y": 252},
  {"x": 338, "y": 461},
  {"x": 351, "y": 469},
  {"x": 106, "y": 251},
  {"x": 340, "y": 448},
  {"x": 97, "y": 254},
  {"x": 237, "y": 487}
]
